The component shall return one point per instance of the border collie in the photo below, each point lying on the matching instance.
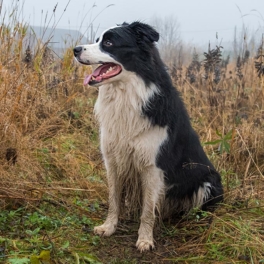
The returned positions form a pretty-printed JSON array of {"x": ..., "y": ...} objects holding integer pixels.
[{"x": 154, "y": 160}]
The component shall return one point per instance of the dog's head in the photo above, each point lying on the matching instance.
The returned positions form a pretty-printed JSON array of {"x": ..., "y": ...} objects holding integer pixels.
[{"x": 126, "y": 47}]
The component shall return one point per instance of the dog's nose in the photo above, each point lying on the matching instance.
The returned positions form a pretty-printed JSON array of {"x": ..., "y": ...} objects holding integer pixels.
[{"x": 77, "y": 50}]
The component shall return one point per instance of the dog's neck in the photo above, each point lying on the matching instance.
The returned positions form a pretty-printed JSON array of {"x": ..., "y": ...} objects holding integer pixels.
[{"x": 131, "y": 92}]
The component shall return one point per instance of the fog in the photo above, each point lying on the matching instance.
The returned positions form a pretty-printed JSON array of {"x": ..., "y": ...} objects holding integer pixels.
[{"x": 199, "y": 21}]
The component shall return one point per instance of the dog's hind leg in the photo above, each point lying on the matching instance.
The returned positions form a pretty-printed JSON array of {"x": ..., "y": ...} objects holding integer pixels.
[
  {"x": 153, "y": 193},
  {"x": 110, "y": 224}
]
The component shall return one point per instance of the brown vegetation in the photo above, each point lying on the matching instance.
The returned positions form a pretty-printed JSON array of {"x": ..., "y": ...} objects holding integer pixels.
[{"x": 49, "y": 143}]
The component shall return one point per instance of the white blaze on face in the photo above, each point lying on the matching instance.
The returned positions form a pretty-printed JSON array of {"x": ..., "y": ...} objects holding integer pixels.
[{"x": 92, "y": 53}]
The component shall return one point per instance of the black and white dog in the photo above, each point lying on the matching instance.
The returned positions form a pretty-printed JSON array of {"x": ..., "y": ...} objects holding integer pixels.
[{"x": 153, "y": 157}]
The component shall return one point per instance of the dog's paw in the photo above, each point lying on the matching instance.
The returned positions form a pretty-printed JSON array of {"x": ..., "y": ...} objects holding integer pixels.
[
  {"x": 105, "y": 230},
  {"x": 144, "y": 245}
]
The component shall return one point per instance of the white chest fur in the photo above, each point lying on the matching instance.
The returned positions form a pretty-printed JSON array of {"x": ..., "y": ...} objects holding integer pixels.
[{"x": 127, "y": 137}]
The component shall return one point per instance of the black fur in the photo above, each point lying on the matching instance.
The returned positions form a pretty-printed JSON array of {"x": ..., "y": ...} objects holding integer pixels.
[{"x": 181, "y": 157}]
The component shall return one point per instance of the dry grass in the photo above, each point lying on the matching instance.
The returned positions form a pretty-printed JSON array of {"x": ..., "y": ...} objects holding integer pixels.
[
  {"x": 49, "y": 148},
  {"x": 47, "y": 129},
  {"x": 229, "y": 117}
]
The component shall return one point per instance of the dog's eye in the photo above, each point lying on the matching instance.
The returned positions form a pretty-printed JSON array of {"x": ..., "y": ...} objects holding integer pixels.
[
  {"x": 97, "y": 40},
  {"x": 107, "y": 43}
]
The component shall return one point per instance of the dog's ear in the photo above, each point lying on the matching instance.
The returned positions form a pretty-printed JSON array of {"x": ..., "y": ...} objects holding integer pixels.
[{"x": 145, "y": 31}]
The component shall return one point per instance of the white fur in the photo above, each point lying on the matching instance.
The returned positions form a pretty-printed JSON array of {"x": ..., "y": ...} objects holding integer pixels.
[
  {"x": 92, "y": 54},
  {"x": 186, "y": 204},
  {"x": 130, "y": 144},
  {"x": 201, "y": 196}
]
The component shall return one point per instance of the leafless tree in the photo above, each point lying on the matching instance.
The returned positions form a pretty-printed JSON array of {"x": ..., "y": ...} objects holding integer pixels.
[{"x": 170, "y": 43}]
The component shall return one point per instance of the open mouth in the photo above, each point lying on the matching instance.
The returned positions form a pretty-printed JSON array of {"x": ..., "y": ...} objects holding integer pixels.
[{"x": 103, "y": 72}]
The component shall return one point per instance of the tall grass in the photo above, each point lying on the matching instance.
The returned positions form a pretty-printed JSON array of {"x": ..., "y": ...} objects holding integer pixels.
[
  {"x": 47, "y": 131},
  {"x": 229, "y": 97},
  {"x": 49, "y": 139}
]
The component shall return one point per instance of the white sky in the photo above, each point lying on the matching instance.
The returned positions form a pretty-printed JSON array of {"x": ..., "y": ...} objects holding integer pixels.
[{"x": 199, "y": 19}]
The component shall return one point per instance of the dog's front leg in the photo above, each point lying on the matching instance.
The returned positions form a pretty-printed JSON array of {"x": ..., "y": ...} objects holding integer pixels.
[
  {"x": 152, "y": 189},
  {"x": 110, "y": 224}
]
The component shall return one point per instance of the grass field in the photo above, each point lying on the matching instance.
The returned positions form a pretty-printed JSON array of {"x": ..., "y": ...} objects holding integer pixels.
[{"x": 53, "y": 188}]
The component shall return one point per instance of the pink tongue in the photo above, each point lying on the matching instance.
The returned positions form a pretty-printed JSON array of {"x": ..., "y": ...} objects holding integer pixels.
[
  {"x": 98, "y": 77},
  {"x": 87, "y": 79}
]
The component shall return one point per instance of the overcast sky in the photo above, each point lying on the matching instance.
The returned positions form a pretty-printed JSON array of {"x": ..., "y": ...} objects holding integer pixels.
[{"x": 199, "y": 20}]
